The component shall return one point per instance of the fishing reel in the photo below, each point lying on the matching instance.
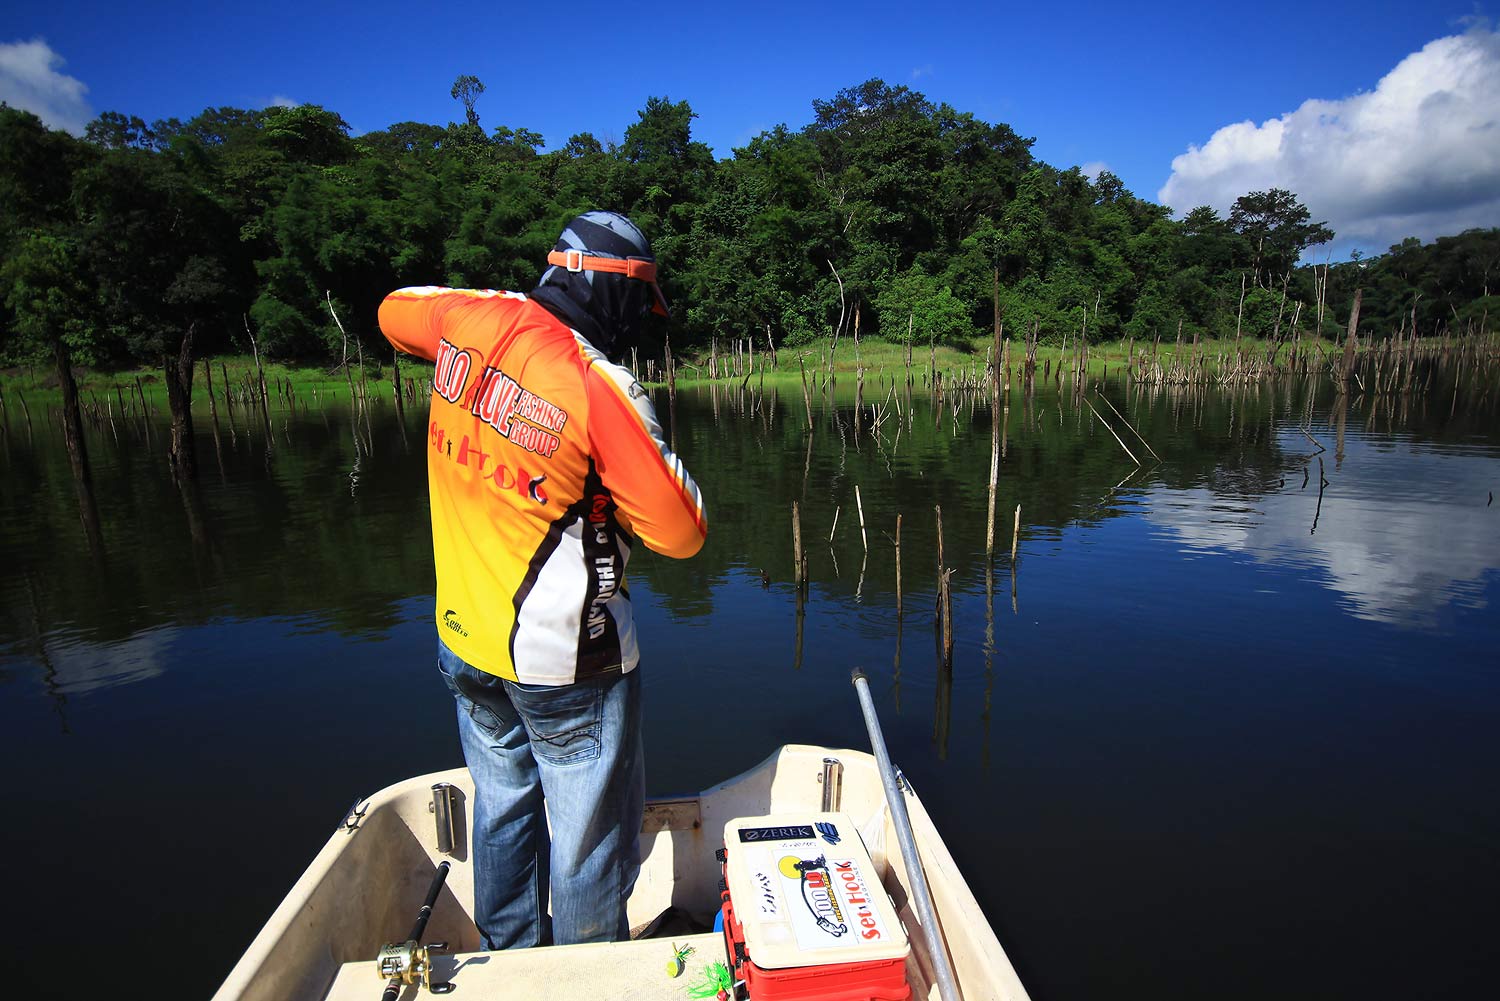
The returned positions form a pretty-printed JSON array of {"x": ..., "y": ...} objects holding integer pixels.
[{"x": 409, "y": 963}]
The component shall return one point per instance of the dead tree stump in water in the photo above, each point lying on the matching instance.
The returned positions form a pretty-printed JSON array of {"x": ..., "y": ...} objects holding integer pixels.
[
  {"x": 396, "y": 385},
  {"x": 989, "y": 531},
  {"x": 1346, "y": 367},
  {"x": 799, "y": 563},
  {"x": 898, "y": 571},
  {"x": 944, "y": 596},
  {"x": 1015, "y": 536},
  {"x": 179, "y": 376},
  {"x": 78, "y": 459}
]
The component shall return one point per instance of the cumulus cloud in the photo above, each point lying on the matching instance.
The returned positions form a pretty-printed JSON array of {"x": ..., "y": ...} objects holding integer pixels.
[
  {"x": 1403, "y": 534},
  {"x": 1093, "y": 169},
  {"x": 1417, "y": 156},
  {"x": 282, "y": 101},
  {"x": 30, "y": 80},
  {"x": 83, "y": 666}
]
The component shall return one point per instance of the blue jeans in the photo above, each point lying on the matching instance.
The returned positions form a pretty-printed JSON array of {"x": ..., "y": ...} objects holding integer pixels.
[{"x": 578, "y": 747}]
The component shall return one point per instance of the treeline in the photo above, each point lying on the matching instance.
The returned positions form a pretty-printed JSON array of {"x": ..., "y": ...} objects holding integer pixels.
[{"x": 886, "y": 213}]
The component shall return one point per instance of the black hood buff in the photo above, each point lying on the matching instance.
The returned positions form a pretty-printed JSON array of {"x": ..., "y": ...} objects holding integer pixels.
[{"x": 606, "y": 308}]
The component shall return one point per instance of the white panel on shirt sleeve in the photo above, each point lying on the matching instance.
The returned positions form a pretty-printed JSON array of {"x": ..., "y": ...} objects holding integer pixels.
[
  {"x": 549, "y": 621},
  {"x": 620, "y": 610}
]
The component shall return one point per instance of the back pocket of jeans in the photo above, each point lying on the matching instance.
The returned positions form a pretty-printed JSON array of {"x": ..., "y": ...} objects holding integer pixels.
[{"x": 565, "y": 722}]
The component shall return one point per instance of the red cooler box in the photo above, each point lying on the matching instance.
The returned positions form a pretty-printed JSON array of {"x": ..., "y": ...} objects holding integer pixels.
[{"x": 805, "y": 916}]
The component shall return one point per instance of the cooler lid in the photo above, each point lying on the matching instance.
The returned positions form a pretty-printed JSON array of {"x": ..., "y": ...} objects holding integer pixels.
[{"x": 807, "y": 893}]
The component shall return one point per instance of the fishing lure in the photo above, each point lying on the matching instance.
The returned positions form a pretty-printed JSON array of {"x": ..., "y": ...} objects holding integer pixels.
[
  {"x": 678, "y": 962},
  {"x": 716, "y": 983}
]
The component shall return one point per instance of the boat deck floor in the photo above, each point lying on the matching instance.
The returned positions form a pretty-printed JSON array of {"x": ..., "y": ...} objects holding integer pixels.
[{"x": 619, "y": 971}]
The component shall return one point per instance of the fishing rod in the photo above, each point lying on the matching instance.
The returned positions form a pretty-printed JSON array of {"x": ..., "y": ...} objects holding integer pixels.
[
  {"x": 920, "y": 895},
  {"x": 404, "y": 963}
]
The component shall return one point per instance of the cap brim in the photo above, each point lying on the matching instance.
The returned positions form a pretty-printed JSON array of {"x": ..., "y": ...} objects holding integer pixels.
[{"x": 659, "y": 307}]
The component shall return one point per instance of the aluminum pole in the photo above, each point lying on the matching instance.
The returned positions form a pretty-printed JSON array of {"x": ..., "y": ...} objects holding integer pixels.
[{"x": 947, "y": 988}]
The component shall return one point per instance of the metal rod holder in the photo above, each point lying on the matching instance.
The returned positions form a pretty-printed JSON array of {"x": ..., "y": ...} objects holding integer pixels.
[
  {"x": 442, "y": 813},
  {"x": 833, "y": 784}
]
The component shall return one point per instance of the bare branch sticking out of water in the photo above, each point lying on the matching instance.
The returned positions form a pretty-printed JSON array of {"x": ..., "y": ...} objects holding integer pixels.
[
  {"x": 1111, "y": 431},
  {"x": 353, "y": 400},
  {"x": 1015, "y": 533},
  {"x": 1133, "y": 431},
  {"x": 1310, "y": 438},
  {"x": 862, "y": 537},
  {"x": 1113, "y": 490},
  {"x": 1318, "y": 512}
]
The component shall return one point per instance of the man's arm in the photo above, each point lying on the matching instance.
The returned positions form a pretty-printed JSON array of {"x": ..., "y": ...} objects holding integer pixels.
[
  {"x": 646, "y": 479},
  {"x": 412, "y": 318}
]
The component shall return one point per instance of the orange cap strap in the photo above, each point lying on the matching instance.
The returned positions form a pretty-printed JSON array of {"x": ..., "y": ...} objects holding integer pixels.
[{"x": 630, "y": 267}]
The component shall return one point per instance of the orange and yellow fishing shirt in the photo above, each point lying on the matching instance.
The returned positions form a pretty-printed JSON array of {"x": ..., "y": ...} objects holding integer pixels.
[{"x": 545, "y": 462}]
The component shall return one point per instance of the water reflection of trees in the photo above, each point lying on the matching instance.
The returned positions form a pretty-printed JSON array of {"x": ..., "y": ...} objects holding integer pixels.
[
  {"x": 283, "y": 534},
  {"x": 1060, "y": 466},
  {"x": 262, "y": 541}
]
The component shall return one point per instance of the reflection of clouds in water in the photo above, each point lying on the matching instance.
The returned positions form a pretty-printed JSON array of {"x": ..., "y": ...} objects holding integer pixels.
[
  {"x": 82, "y": 666},
  {"x": 1404, "y": 531}
]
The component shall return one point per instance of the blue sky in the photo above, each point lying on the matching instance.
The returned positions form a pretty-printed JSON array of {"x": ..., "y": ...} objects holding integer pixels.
[{"x": 1094, "y": 84}]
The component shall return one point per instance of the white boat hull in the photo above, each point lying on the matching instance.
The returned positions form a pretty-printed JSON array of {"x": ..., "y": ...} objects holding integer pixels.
[{"x": 365, "y": 886}]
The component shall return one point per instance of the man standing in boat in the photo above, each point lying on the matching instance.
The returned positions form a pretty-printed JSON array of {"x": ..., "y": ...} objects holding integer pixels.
[{"x": 545, "y": 464}]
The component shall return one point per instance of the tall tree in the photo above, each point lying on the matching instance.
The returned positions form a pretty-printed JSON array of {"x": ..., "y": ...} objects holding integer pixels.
[
  {"x": 466, "y": 90},
  {"x": 150, "y": 238},
  {"x": 1277, "y": 228},
  {"x": 43, "y": 287},
  {"x": 48, "y": 303}
]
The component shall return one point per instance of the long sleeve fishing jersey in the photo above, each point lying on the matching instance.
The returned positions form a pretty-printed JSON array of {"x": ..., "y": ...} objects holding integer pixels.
[{"x": 545, "y": 463}]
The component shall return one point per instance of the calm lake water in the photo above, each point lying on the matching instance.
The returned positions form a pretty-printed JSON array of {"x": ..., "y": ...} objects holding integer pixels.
[{"x": 1214, "y": 732}]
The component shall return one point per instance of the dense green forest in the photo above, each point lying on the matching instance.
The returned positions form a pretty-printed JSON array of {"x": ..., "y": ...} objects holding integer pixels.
[{"x": 157, "y": 243}]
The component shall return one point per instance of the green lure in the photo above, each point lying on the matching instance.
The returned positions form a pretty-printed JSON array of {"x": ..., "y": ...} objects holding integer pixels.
[
  {"x": 716, "y": 983},
  {"x": 678, "y": 962}
]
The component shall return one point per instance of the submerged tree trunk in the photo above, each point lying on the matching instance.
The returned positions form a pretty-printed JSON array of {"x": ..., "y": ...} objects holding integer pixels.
[
  {"x": 179, "y": 376},
  {"x": 78, "y": 457},
  {"x": 396, "y": 384}
]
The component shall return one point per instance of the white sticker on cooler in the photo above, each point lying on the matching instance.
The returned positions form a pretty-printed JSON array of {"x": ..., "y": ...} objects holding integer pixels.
[
  {"x": 827, "y": 899},
  {"x": 851, "y": 888}
]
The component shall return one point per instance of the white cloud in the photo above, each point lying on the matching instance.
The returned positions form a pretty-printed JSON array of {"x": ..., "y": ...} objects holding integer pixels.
[
  {"x": 1093, "y": 169},
  {"x": 1403, "y": 533},
  {"x": 29, "y": 80},
  {"x": 282, "y": 101},
  {"x": 1417, "y": 156},
  {"x": 921, "y": 71},
  {"x": 83, "y": 666}
]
